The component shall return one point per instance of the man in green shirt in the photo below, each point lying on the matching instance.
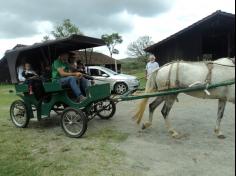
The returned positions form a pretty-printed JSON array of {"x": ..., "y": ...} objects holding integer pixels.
[{"x": 60, "y": 72}]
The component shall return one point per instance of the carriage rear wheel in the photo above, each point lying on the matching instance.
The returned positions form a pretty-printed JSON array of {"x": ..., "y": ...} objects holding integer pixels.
[
  {"x": 74, "y": 122},
  {"x": 105, "y": 109},
  {"x": 19, "y": 114}
]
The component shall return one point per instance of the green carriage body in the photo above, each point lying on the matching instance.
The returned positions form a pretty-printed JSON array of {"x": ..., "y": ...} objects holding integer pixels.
[{"x": 59, "y": 95}]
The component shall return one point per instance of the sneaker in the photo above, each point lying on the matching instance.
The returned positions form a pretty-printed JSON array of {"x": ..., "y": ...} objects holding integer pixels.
[{"x": 81, "y": 98}]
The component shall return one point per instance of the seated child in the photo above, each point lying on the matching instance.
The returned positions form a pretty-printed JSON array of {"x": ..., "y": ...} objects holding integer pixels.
[{"x": 29, "y": 74}]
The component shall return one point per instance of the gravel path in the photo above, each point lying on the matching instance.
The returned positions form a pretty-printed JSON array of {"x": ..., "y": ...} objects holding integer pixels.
[{"x": 152, "y": 152}]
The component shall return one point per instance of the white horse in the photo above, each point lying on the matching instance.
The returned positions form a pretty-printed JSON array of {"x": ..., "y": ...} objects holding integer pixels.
[{"x": 181, "y": 74}]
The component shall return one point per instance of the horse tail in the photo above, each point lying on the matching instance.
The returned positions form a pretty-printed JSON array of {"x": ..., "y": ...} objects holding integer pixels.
[{"x": 151, "y": 86}]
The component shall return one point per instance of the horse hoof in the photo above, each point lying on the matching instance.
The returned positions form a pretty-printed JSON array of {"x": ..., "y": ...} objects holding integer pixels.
[
  {"x": 221, "y": 136},
  {"x": 143, "y": 127},
  {"x": 175, "y": 135}
]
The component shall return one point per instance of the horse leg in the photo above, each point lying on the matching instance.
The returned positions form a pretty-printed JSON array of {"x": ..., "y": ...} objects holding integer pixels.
[
  {"x": 221, "y": 109},
  {"x": 165, "y": 112},
  {"x": 152, "y": 107}
]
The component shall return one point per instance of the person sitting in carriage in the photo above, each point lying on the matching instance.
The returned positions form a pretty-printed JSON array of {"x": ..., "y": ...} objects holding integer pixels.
[
  {"x": 76, "y": 65},
  {"x": 29, "y": 74},
  {"x": 61, "y": 72}
]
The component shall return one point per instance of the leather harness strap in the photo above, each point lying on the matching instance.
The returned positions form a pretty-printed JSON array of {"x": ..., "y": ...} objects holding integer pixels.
[
  {"x": 169, "y": 74},
  {"x": 177, "y": 83},
  {"x": 209, "y": 75}
]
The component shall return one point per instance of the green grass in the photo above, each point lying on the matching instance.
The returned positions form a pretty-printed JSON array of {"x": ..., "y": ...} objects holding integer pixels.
[
  {"x": 42, "y": 149},
  {"x": 141, "y": 76},
  {"x": 134, "y": 67}
]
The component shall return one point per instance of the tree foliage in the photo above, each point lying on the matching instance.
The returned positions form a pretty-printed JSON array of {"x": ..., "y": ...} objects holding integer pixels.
[
  {"x": 111, "y": 41},
  {"x": 65, "y": 29},
  {"x": 46, "y": 38},
  {"x": 136, "y": 48}
]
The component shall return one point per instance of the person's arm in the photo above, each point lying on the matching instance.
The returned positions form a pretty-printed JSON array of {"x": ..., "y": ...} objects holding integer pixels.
[
  {"x": 34, "y": 73},
  {"x": 28, "y": 74},
  {"x": 146, "y": 72},
  {"x": 64, "y": 74},
  {"x": 88, "y": 77},
  {"x": 23, "y": 74}
]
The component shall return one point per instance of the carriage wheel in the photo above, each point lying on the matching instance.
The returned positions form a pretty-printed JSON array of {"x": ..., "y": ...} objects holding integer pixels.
[
  {"x": 19, "y": 114},
  {"x": 106, "y": 109},
  {"x": 73, "y": 122}
]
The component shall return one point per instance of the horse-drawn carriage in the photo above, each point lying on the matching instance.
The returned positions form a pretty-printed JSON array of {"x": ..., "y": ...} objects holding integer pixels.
[
  {"x": 177, "y": 76},
  {"x": 52, "y": 96}
]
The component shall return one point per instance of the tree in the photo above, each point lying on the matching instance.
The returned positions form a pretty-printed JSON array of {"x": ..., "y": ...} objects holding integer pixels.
[
  {"x": 46, "y": 38},
  {"x": 111, "y": 41},
  {"x": 136, "y": 48},
  {"x": 66, "y": 29}
]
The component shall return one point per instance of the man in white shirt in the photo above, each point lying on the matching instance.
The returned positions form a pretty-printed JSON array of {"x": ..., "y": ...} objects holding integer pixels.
[{"x": 151, "y": 66}]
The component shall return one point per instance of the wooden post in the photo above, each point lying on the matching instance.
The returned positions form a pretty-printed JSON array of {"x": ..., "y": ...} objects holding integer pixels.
[{"x": 116, "y": 66}]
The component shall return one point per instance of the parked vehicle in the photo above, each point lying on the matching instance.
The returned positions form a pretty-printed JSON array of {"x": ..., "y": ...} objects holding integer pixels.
[{"x": 119, "y": 83}]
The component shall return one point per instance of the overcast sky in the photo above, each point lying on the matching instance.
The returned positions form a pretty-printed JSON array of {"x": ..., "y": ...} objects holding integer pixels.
[{"x": 27, "y": 21}]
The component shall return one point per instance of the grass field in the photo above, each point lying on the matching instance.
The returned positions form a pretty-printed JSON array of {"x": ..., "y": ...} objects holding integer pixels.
[{"x": 42, "y": 149}]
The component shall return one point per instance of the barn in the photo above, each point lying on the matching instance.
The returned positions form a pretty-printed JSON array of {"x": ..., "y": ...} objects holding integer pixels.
[{"x": 208, "y": 39}]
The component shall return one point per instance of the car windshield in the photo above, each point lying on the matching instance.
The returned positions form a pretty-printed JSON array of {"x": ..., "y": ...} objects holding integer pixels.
[{"x": 110, "y": 71}]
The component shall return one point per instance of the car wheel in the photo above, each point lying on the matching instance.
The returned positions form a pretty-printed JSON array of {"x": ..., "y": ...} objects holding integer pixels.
[{"x": 120, "y": 88}]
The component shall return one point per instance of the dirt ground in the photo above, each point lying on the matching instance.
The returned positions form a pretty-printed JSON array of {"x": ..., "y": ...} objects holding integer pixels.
[
  {"x": 153, "y": 152},
  {"x": 118, "y": 147}
]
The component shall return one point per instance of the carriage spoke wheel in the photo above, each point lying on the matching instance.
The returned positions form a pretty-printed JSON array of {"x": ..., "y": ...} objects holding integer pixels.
[
  {"x": 73, "y": 122},
  {"x": 19, "y": 114},
  {"x": 106, "y": 109}
]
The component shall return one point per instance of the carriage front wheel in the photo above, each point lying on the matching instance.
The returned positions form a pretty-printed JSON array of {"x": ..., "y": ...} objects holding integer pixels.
[
  {"x": 74, "y": 122},
  {"x": 19, "y": 114}
]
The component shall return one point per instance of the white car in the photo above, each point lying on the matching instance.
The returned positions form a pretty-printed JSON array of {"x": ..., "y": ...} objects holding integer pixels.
[{"x": 120, "y": 83}]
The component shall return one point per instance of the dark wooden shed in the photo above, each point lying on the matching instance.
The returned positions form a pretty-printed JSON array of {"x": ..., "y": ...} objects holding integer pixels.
[{"x": 208, "y": 39}]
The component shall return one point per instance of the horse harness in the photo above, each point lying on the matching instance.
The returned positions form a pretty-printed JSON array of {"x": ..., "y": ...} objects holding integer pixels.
[
  {"x": 210, "y": 66},
  {"x": 208, "y": 79},
  {"x": 177, "y": 82}
]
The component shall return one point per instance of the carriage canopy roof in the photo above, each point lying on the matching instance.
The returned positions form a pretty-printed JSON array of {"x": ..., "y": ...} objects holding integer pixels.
[{"x": 48, "y": 51}]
